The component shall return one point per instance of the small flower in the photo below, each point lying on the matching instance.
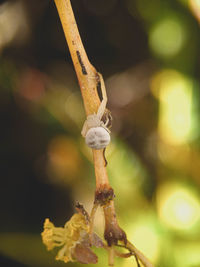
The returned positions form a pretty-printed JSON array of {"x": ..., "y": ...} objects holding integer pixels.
[
  {"x": 73, "y": 239},
  {"x": 52, "y": 236}
]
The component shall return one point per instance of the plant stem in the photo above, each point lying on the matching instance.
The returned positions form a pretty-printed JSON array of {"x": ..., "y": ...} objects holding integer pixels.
[
  {"x": 86, "y": 73},
  {"x": 87, "y": 76},
  {"x": 100, "y": 168},
  {"x": 89, "y": 79}
]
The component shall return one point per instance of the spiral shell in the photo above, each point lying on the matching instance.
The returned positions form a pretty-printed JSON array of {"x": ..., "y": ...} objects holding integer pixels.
[{"x": 97, "y": 138}]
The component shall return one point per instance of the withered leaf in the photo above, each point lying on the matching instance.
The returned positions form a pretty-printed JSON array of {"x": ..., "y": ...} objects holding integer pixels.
[
  {"x": 84, "y": 254},
  {"x": 96, "y": 241}
]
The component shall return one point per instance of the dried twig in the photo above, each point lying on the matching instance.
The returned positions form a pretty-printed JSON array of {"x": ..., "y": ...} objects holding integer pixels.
[{"x": 89, "y": 79}]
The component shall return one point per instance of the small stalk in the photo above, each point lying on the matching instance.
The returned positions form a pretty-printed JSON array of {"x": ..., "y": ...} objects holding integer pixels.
[{"x": 89, "y": 80}]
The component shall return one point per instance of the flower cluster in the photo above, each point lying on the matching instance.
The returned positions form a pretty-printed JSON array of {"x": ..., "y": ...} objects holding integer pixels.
[{"x": 73, "y": 239}]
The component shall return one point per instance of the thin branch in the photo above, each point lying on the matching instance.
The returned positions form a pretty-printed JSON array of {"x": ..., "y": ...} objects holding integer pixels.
[
  {"x": 87, "y": 76},
  {"x": 89, "y": 79},
  {"x": 86, "y": 73}
]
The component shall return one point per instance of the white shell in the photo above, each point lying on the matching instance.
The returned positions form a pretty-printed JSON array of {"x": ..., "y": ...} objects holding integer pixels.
[{"x": 97, "y": 138}]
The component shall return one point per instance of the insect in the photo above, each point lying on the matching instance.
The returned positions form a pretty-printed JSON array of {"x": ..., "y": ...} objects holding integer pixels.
[{"x": 95, "y": 131}]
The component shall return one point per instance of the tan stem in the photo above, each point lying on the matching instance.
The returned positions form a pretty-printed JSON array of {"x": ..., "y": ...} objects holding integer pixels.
[
  {"x": 92, "y": 216},
  {"x": 87, "y": 78},
  {"x": 111, "y": 256},
  {"x": 110, "y": 215},
  {"x": 88, "y": 82},
  {"x": 100, "y": 168}
]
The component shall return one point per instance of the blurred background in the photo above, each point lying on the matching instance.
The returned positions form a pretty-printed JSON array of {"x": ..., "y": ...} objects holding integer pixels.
[{"x": 148, "y": 53}]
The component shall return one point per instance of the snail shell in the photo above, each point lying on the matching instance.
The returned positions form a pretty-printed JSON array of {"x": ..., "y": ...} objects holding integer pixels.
[{"x": 97, "y": 138}]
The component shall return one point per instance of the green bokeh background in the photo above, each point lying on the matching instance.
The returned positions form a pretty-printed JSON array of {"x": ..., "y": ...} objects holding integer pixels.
[{"x": 148, "y": 53}]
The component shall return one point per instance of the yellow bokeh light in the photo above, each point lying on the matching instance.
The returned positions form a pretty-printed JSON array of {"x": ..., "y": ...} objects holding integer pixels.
[
  {"x": 144, "y": 236},
  {"x": 167, "y": 37},
  {"x": 175, "y": 112},
  {"x": 143, "y": 233},
  {"x": 177, "y": 206},
  {"x": 195, "y": 8}
]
